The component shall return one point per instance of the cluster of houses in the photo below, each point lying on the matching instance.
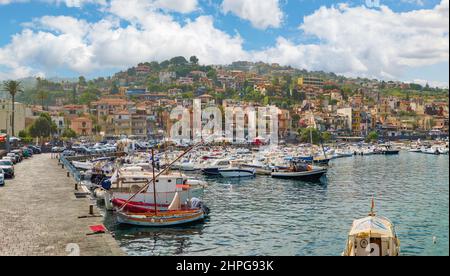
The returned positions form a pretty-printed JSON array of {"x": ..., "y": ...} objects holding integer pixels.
[{"x": 134, "y": 111}]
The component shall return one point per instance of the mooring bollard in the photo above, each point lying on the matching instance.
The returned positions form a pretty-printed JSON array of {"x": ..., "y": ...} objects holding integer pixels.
[
  {"x": 68, "y": 174},
  {"x": 91, "y": 210}
]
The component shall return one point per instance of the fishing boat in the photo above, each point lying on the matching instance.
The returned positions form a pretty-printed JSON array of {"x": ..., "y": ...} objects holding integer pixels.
[
  {"x": 167, "y": 186},
  {"x": 175, "y": 215},
  {"x": 261, "y": 169},
  {"x": 300, "y": 171},
  {"x": 237, "y": 172},
  {"x": 372, "y": 236},
  {"x": 321, "y": 160}
]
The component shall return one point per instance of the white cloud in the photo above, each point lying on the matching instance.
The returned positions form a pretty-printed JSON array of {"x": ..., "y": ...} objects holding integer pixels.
[
  {"x": 262, "y": 14},
  {"x": 68, "y": 3},
  {"x": 368, "y": 42},
  {"x": 354, "y": 41},
  {"x": 181, "y": 6},
  {"x": 52, "y": 43},
  {"x": 439, "y": 84}
]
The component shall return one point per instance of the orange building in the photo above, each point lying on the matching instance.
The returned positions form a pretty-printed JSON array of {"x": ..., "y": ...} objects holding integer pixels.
[{"x": 82, "y": 126}]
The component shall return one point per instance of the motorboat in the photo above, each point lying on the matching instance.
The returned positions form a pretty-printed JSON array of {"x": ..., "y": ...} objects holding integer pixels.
[
  {"x": 213, "y": 168},
  {"x": 431, "y": 150},
  {"x": 237, "y": 172},
  {"x": 85, "y": 166},
  {"x": 300, "y": 171}
]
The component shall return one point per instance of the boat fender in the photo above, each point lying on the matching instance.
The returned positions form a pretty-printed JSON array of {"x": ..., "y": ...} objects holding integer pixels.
[{"x": 106, "y": 184}]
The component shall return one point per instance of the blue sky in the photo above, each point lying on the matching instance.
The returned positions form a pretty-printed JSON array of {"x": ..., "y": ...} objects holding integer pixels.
[{"x": 309, "y": 34}]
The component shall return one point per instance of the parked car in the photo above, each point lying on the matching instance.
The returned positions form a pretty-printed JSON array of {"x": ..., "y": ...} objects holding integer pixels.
[
  {"x": 19, "y": 153},
  {"x": 2, "y": 178},
  {"x": 14, "y": 157},
  {"x": 36, "y": 150},
  {"x": 27, "y": 153},
  {"x": 7, "y": 167}
]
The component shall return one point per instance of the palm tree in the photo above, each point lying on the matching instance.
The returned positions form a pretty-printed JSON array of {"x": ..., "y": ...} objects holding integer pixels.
[{"x": 13, "y": 88}]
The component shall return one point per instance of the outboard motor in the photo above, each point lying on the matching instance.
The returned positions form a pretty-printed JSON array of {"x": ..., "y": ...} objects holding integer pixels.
[{"x": 197, "y": 203}]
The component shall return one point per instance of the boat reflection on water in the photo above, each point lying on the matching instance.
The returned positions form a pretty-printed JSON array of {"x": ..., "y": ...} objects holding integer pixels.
[{"x": 147, "y": 241}]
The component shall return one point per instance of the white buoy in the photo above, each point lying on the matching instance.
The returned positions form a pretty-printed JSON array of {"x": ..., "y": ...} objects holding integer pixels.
[{"x": 434, "y": 240}]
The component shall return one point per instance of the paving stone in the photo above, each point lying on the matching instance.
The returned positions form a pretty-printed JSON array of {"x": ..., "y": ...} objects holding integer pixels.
[{"x": 39, "y": 214}]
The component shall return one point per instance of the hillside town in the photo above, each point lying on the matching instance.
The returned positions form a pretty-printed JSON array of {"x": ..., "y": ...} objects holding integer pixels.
[{"x": 137, "y": 102}]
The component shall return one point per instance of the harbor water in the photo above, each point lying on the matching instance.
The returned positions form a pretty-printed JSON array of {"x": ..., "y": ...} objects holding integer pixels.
[{"x": 265, "y": 216}]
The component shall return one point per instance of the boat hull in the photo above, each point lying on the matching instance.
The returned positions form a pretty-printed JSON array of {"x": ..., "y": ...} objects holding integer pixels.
[
  {"x": 148, "y": 199},
  {"x": 211, "y": 171},
  {"x": 163, "y": 219},
  {"x": 391, "y": 152},
  {"x": 237, "y": 173},
  {"x": 309, "y": 176}
]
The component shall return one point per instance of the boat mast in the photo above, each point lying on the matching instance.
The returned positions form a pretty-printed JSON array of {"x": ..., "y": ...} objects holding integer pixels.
[
  {"x": 159, "y": 174},
  {"x": 372, "y": 208},
  {"x": 154, "y": 182}
]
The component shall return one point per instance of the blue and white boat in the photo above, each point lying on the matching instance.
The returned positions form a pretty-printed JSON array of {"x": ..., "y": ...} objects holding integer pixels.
[
  {"x": 237, "y": 172},
  {"x": 213, "y": 168}
]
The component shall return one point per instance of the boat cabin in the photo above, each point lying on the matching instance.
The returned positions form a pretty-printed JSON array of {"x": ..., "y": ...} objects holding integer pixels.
[{"x": 372, "y": 236}]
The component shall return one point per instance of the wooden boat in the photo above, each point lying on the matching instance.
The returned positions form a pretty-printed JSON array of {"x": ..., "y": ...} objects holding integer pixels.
[
  {"x": 167, "y": 186},
  {"x": 300, "y": 171},
  {"x": 161, "y": 219},
  {"x": 372, "y": 236},
  {"x": 175, "y": 215}
]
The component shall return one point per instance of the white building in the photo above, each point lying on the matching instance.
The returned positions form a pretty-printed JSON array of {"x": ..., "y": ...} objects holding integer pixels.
[
  {"x": 60, "y": 124},
  {"x": 21, "y": 113},
  {"x": 348, "y": 113}
]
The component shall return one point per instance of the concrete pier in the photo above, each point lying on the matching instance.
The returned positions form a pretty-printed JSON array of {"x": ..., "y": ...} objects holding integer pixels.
[{"x": 39, "y": 215}]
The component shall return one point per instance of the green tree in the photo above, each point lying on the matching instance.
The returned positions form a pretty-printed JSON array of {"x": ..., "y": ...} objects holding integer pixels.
[
  {"x": 97, "y": 129},
  {"x": 194, "y": 60},
  {"x": 25, "y": 136},
  {"x": 69, "y": 133},
  {"x": 82, "y": 81},
  {"x": 86, "y": 98},
  {"x": 13, "y": 88},
  {"x": 178, "y": 61},
  {"x": 43, "y": 127},
  {"x": 326, "y": 136},
  {"x": 372, "y": 137},
  {"x": 307, "y": 133}
]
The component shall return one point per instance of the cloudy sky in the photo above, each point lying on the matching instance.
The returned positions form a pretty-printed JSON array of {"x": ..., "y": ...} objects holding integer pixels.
[{"x": 387, "y": 39}]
